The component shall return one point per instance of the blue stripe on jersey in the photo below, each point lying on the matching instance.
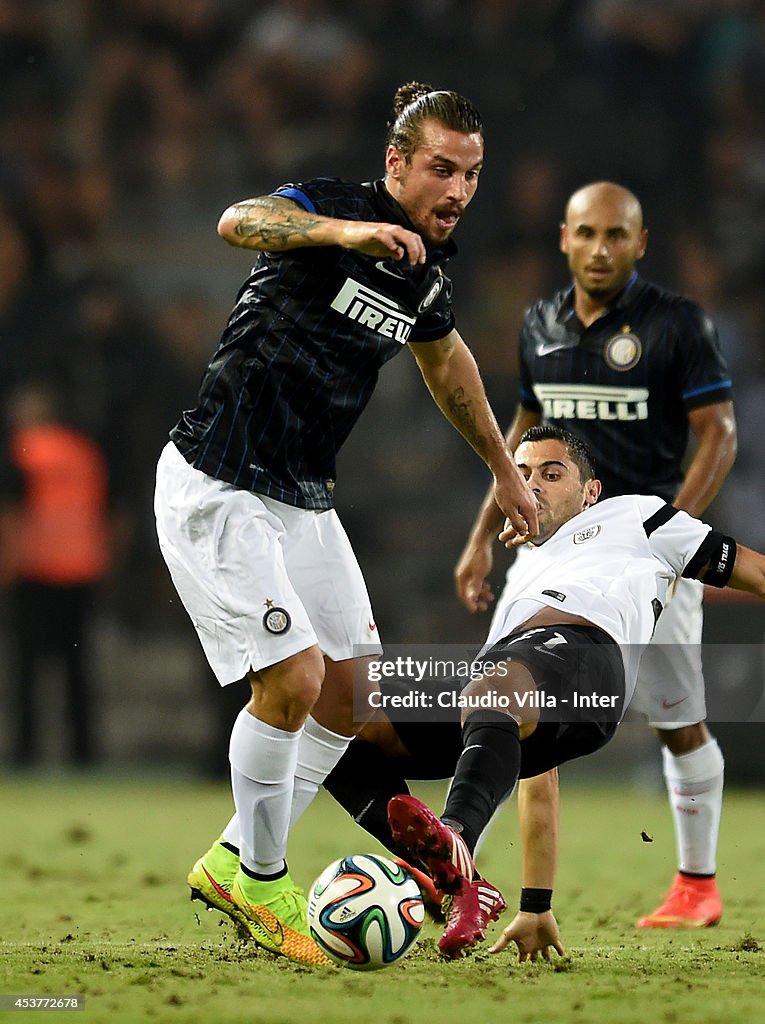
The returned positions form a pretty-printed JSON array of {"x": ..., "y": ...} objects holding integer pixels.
[
  {"x": 299, "y": 196},
  {"x": 708, "y": 387},
  {"x": 631, "y": 281}
]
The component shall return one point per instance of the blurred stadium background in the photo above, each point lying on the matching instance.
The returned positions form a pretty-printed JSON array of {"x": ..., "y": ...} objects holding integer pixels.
[{"x": 127, "y": 126}]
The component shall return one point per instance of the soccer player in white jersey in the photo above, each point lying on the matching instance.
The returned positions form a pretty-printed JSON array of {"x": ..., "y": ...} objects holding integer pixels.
[
  {"x": 574, "y": 626},
  {"x": 634, "y": 369}
]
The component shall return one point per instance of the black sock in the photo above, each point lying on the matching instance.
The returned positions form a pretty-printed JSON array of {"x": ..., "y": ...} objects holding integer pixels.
[
  {"x": 264, "y": 878},
  {"x": 363, "y": 781},
  {"x": 486, "y": 772}
]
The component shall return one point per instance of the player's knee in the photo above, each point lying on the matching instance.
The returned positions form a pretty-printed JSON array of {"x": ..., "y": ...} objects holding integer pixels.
[
  {"x": 514, "y": 693},
  {"x": 686, "y": 739},
  {"x": 285, "y": 693},
  {"x": 526, "y": 729}
]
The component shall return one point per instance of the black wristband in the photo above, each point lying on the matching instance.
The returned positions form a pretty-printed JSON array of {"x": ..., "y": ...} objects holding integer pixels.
[{"x": 536, "y": 901}]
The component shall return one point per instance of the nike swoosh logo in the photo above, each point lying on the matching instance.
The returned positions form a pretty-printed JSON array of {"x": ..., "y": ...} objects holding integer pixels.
[
  {"x": 525, "y": 636},
  {"x": 219, "y": 889},
  {"x": 269, "y": 922},
  {"x": 544, "y": 650},
  {"x": 390, "y": 271},
  {"x": 667, "y": 704},
  {"x": 545, "y": 350}
]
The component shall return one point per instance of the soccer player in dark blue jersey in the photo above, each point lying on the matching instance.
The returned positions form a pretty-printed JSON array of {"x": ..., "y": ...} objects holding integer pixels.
[
  {"x": 346, "y": 275},
  {"x": 630, "y": 367}
]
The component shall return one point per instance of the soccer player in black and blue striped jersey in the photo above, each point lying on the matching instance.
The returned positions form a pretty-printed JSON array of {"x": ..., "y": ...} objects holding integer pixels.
[{"x": 346, "y": 276}]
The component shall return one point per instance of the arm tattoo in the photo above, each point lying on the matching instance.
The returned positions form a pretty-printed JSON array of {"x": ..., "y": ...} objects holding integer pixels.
[
  {"x": 461, "y": 414},
  {"x": 275, "y": 223}
]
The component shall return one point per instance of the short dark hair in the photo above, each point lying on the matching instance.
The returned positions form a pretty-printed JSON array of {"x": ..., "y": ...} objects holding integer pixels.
[
  {"x": 579, "y": 451},
  {"x": 416, "y": 102}
]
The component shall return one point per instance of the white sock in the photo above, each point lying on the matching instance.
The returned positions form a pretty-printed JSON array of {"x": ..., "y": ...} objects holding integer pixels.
[
  {"x": 695, "y": 787},
  {"x": 230, "y": 833},
  {"x": 318, "y": 753},
  {"x": 263, "y": 761}
]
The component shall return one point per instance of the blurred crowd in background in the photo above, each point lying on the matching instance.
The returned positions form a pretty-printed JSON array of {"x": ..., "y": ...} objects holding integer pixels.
[{"x": 127, "y": 126}]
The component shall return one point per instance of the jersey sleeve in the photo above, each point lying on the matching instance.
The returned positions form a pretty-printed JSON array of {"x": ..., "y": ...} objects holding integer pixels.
[
  {"x": 325, "y": 196},
  {"x": 703, "y": 373},
  {"x": 298, "y": 195},
  {"x": 434, "y": 329},
  {"x": 439, "y": 319},
  {"x": 674, "y": 537}
]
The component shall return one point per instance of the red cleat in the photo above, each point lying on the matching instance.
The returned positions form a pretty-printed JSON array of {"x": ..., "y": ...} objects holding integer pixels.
[
  {"x": 439, "y": 848},
  {"x": 467, "y": 916},
  {"x": 690, "y": 903}
]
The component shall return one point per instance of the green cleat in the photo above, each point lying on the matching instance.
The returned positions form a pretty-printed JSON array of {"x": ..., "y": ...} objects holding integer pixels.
[
  {"x": 210, "y": 881},
  {"x": 271, "y": 913},
  {"x": 274, "y": 914}
]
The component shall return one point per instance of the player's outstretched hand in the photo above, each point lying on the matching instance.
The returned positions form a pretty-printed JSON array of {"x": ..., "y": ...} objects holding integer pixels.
[
  {"x": 470, "y": 577},
  {"x": 533, "y": 934}
]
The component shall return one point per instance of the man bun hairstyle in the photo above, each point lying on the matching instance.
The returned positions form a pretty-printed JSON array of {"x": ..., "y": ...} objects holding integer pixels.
[
  {"x": 579, "y": 451},
  {"x": 415, "y": 103}
]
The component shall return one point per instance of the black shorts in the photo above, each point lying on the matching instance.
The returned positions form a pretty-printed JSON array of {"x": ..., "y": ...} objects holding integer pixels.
[{"x": 564, "y": 660}]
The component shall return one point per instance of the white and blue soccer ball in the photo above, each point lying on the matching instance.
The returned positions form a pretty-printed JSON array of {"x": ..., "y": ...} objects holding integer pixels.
[{"x": 365, "y": 911}]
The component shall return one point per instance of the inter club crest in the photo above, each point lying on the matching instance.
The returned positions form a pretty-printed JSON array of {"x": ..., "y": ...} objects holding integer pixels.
[
  {"x": 277, "y": 620},
  {"x": 623, "y": 351}
]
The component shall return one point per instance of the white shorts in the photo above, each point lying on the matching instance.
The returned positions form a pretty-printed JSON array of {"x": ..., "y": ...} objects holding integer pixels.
[
  {"x": 670, "y": 686},
  {"x": 261, "y": 580}
]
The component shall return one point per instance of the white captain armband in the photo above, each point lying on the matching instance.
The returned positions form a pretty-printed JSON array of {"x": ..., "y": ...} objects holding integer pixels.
[{"x": 718, "y": 553}]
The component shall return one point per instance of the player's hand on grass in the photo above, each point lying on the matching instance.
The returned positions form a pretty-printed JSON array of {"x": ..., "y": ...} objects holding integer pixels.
[
  {"x": 470, "y": 577},
  {"x": 533, "y": 934}
]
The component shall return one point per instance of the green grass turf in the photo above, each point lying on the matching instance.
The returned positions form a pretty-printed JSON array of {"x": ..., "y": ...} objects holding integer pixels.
[{"x": 95, "y": 904}]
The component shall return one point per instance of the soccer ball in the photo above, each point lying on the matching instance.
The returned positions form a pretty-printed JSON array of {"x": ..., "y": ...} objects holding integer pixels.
[{"x": 365, "y": 911}]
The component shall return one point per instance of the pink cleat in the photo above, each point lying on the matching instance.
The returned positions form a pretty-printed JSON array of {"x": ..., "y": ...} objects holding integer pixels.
[
  {"x": 467, "y": 916},
  {"x": 439, "y": 848},
  {"x": 690, "y": 903}
]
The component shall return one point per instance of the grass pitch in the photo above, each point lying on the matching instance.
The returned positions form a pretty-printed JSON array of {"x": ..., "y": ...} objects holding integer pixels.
[{"x": 95, "y": 904}]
